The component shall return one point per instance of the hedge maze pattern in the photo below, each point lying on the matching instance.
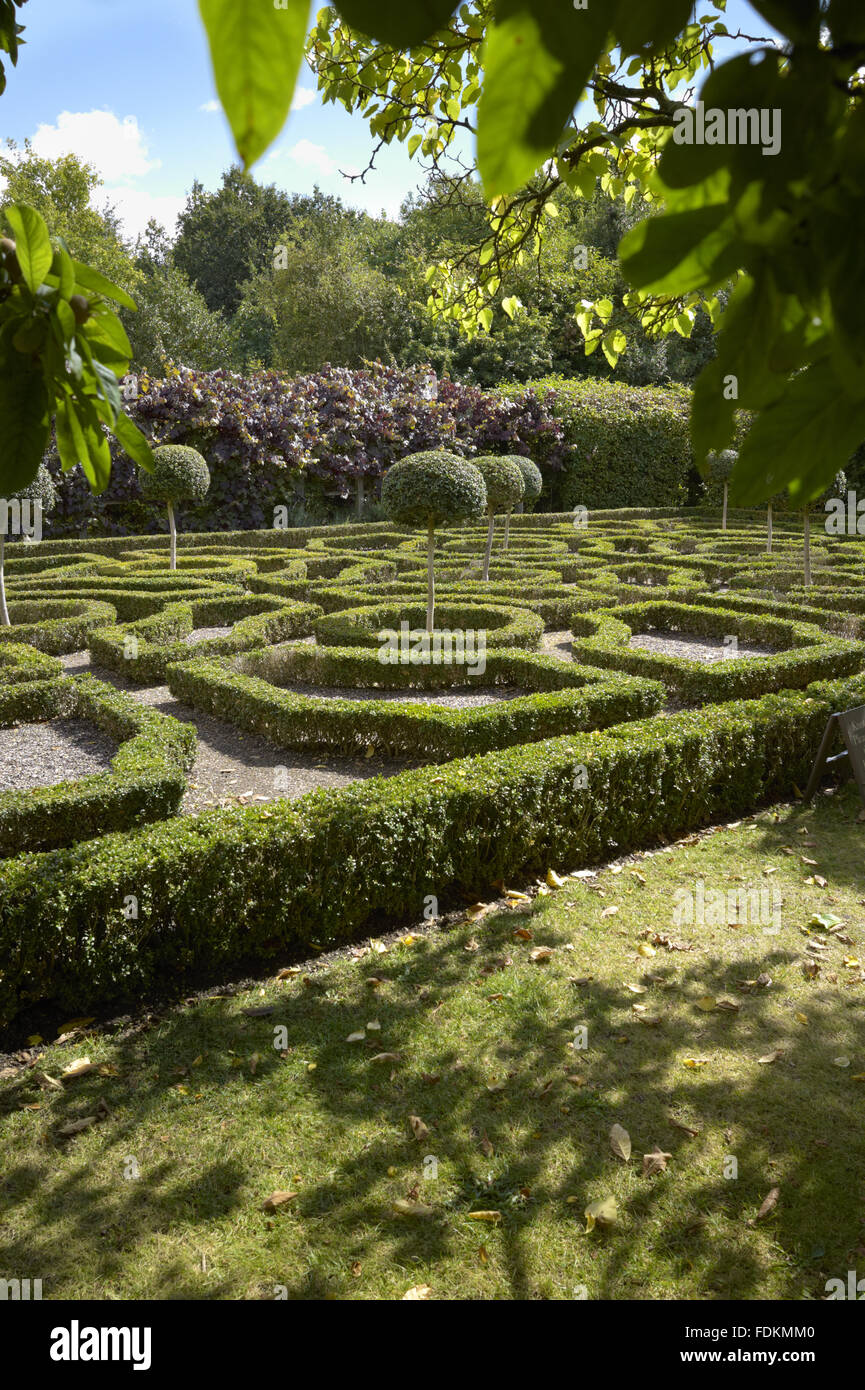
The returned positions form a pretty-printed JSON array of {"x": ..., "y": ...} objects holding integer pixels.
[{"x": 612, "y": 684}]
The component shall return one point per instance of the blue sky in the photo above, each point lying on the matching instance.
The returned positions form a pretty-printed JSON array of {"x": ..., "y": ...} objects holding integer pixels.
[{"x": 128, "y": 85}]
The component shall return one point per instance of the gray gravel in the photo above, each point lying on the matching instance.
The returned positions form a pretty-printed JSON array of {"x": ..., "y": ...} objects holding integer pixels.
[
  {"x": 234, "y": 768},
  {"x": 703, "y": 649},
  {"x": 458, "y": 698},
  {"x": 557, "y": 644},
  {"x": 59, "y": 750},
  {"x": 204, "y": 634}
]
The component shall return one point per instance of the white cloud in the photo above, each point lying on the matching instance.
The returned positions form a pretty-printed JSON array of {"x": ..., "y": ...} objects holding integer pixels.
[
  {"x": 209, "y": 106},
  {"x": 116, "y": 148},
  {"x": 310, "y": 156},
  {"x": 136, "y": 207},
  {"x": 303, "y": 96}
]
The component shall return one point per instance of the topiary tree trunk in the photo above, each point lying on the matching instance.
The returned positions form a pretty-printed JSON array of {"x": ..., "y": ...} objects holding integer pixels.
[
  {"x": 431, "y": 578},
  {"x": 508, "y": 528},
  {"x": 173, "y": 533},
  {"x": 489, "y": 550},
  {"x": 724, "y": 513},
  {"x": 769, "y": 528},
  {"x": 807, "y": 555}
]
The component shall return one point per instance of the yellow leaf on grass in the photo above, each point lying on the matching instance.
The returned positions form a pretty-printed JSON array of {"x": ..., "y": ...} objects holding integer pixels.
[
  {"x": 553, "y": 879},
  {"x": 402, "y": 1207},
  {"x": 494, "y": 1217},
  {"x": 644, "y": 949},
  {"x": 420, "y": 1291},
  {"x": 80, "y": 1067},
  {"x": 620, "y": 1143},
  {"x": 602, "y": 1213},
  {"x": 418, "y": 1128},
  {"x": 707, "y": 1003},
  {"x": 696, "y": 1062}
]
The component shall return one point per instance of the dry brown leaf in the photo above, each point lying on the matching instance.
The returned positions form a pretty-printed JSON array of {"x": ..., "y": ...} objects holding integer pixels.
[
  {"x": 415, "y": 1295},
  {"x": 655, "y": 1162},
  {"x": 418, "y": 1128},
  {"x": 620, "y": 1143},
  {"x": 770, "y": 1201},
  {"x": 277, "y": 1200}
]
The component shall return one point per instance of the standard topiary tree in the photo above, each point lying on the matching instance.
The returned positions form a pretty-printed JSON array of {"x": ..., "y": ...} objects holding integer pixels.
[
  {"x": 430, "y": 490},
  {"x": 720, "y": 467},
  {"x": 40, "y": 492},
  {"x": 179, "y": 474},
  {"x": 504, "y": 484},
  {"x": 532, "y": 485},
  {"x": 837, "y": 488}
]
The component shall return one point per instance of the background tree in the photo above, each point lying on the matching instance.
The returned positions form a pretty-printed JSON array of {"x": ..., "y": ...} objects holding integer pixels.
[
  {"x": 720, "y": 470},
  {"x": 179, "y": 474},
  {"x": 429, "y": 490}
]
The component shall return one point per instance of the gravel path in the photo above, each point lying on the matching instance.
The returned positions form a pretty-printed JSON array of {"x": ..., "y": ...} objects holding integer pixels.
[
  {"x": 233, "y": 767},
  {"x": 458, "y": 698},
  {"x": 558, "y": 644},
  {"x": 704, "y": 649},
  {"x": 59, "y": 750},
  {"x": 204, "y": 634}
]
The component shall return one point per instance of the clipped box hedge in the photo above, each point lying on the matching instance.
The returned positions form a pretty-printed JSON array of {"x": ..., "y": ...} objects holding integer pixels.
[
  {"x": 146, "y": 781},
  {"x": 602, "y": 639},
  {"x": 56, "y": 626},
  {"x": 509, "y": 625},
  {"x": 418, "y": 730},
  {"x": 230, "y": 884},
  {"x": 21, "y": 662},
  {"x": 143, "y": 651}
]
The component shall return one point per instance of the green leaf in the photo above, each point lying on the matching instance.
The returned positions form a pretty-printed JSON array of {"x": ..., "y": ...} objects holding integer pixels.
[
  {"x": 32, "y": 243},
  {"x": 25, "y": 422},
  {"x": 537, "y": 61},
  {"x": 71, "y": 443},
  {"x": 89, "y": 279},
  {"x": 256, "y": 51},
  {"x": 803, "y": 439},
  {"x": 651, "y": 24},
  {"x": 400, "y": 23},
  {"x": 680, "y": 251}
]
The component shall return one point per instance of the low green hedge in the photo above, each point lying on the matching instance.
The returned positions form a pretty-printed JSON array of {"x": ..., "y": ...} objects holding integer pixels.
[
  {"x": 232, "y": 883},
  {"x": 423, "y": 731},
  {"x": 147, "y": 778},
  {"x": 21, "y": 662},
  {"x": 56, "y": 626},
  {"x": 602, "y": 639},
  {"x": 159, "y": 640},
  {"x": 509, "y": 625}
]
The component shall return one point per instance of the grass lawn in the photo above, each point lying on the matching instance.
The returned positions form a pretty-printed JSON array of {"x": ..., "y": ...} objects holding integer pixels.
[{"x": 511, "y": 1118}]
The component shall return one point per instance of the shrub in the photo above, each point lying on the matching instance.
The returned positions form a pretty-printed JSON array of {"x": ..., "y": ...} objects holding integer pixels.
[
  {"x": 228, "y": 884},
  {"x": 179, "y": 474},
  {"x": 429, "y": 490},
  {"x": 146, "y": 781},
  {"x": 626, "y": 445}
]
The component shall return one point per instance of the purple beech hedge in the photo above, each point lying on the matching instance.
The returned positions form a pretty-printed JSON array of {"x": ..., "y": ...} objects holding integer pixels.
[{"x": 265, "y": 436}]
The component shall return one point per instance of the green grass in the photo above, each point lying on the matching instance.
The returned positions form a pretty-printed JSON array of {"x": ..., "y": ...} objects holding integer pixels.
[{"x": 217, "y": 1119}]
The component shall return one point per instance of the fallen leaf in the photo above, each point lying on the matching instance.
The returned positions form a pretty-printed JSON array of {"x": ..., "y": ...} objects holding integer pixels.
[
  {"x": 770, "y": 1201},
  {"x": 771, "y": 1056},
  {"x": 81, "y": 1067},
  {"x": 418, "y": 1128},
  {"x": 494, "y": 1217},
  {"x": 415, "y": 1295},
  {"x": 655, "y": 1162},
  {"x": 620, "y": 1143},
  {"x": 277, "y": 1200},
  {"x": 402, "y": 1207},
  {"x": 604, "y": 1212},
  {"x": 541, "y": 953}
]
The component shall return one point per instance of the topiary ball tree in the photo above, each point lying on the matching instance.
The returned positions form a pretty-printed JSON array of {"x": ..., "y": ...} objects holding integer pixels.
[
  {"x": 721, "y": 465},
  {"x": 432, "y": 489},
  {"x": 179, "y": 474},
  {"x": 504, "y": 484},
  {"x": 40, "y": 492},
  {"x": 532, "y": 485}
]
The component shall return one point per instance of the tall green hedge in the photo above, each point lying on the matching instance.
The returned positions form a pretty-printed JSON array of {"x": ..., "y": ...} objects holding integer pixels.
[{"x": 628, "y": 446}]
